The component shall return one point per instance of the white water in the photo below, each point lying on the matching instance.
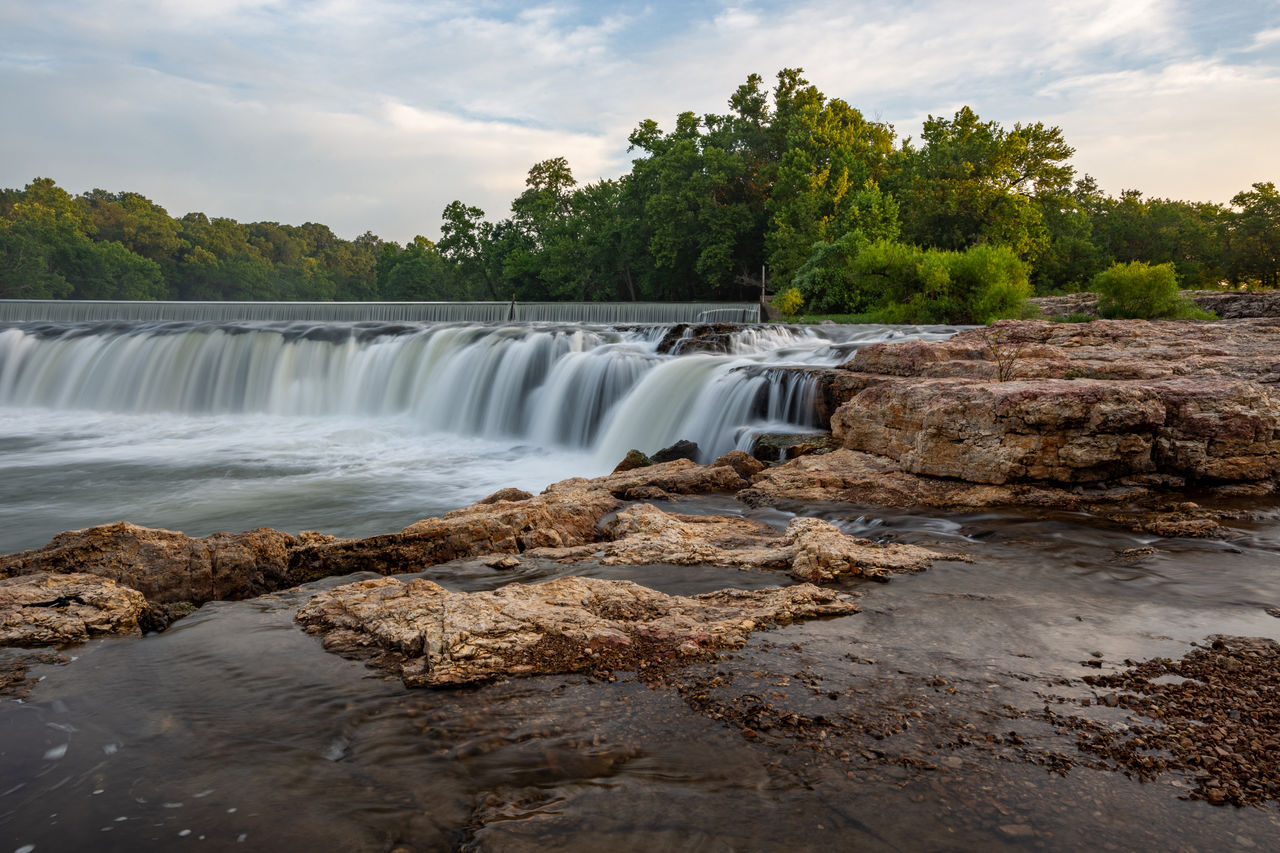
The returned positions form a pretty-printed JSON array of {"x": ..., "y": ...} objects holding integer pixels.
[{"x": 360, "y": 428}]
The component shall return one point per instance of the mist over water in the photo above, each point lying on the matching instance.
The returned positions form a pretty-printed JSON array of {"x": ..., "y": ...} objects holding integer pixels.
[{"x": 361, "y": 428}]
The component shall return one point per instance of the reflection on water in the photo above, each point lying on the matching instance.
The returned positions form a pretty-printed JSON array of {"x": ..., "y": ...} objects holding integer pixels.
[{"x": 236, "y": 728}]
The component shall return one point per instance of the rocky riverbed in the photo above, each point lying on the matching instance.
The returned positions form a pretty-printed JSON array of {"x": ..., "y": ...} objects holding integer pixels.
[{"x": 1124, "y": 453}]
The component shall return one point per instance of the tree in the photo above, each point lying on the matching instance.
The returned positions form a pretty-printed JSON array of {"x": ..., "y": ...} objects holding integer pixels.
[
  {"x": 1255, "y": 232},
  {"x": 974, "y": 182},
  {"x": 465, "y": 241}
]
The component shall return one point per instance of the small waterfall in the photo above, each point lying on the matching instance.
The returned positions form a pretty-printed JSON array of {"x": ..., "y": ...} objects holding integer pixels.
[{"x": 98, "y": 311}]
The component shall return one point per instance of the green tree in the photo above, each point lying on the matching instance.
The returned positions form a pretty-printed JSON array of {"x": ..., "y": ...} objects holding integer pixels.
[
  {"x": 975, "y": 182},
  {"x": 466, "y": 242},
  {"x": 1255, "y": 232}
]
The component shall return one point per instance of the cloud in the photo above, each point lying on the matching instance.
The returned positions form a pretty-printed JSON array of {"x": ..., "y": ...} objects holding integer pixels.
[{"x": 375, "y": 114}]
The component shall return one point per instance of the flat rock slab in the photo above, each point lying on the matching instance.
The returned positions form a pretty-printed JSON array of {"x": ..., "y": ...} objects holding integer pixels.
[
  {"x": 49, "y": 609},
  {"x": 429, "y": 636},
  {"x": 810, "y": 549}
]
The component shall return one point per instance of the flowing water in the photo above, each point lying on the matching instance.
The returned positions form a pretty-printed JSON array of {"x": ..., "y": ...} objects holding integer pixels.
[
  {"x": 361, "y": 428},
  {"x": 234, "y": 730}
]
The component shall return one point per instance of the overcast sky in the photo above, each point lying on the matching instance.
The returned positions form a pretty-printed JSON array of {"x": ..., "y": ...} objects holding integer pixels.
[{"x": 374, "y": 114}]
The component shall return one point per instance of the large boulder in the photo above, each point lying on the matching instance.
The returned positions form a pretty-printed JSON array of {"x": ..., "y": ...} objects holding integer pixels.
[
  {"x": 429, "y": 636},
  {"x": 1072, "y": 403}
]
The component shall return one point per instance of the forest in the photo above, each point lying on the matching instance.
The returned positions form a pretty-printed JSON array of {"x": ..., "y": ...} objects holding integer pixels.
[{"x": 836, "y": 208}]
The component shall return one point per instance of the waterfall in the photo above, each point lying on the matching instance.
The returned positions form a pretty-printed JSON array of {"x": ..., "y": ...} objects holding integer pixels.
[
  {"x": 575, "y": 387},
  {"x": 358, "y": 428},
  {"x": 598, "y": 389}
]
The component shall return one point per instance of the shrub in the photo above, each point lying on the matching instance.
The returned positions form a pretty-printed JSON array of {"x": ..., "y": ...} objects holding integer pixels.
[
  {"x": 789, "y": 302},
  {"x": 901, "y": 283},
  {"x": 824, "y": 280},
  {"x": 1140, "y": 291}
]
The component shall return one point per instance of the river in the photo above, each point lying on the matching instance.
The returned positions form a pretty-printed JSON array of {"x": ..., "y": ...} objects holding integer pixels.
[{"x": 235, "y": 730}]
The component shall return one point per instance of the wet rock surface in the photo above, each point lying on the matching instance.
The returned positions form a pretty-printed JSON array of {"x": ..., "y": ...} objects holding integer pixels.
[
  {"x": 50, "y": 609},
  {"x": 1212, "y": 716},
  {"x": 167, "y": 566},
  {"x": 431, "y": 637},
  {"x": 810, "y": 549},
  {"x": 780, "y": 446}
]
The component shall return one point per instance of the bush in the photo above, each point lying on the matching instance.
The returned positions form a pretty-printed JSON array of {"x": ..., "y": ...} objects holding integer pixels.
[
  {"x": 1140, "y": 291},
  {"x": 824, "y": 280},
  {"x": 900, "y": 283},
  {"x": 789, "y": 302}
]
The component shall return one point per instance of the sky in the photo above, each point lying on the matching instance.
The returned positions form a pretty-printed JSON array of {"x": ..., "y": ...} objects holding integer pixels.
[{"x": 375, "y": 114}]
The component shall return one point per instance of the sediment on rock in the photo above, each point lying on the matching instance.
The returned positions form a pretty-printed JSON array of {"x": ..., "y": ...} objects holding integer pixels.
[
  {"x": 1211, "y": 715},
  {"x": 429, "y": 636}
]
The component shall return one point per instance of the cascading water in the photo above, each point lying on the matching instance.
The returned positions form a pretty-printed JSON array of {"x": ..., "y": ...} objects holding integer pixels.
[{"x": 355, "y": 428}]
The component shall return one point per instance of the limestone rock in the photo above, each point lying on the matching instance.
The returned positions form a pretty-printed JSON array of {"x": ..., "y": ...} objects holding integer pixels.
[
  {"x": 1072, "y": 403},
  {"x": 505, "y": 496},
  {"x": 47, "y": 609},
  {"x": 564, "y": 518},
  {"x": 780, "y": 446},
  {"x": 634, "y": 459},
  {"x": 164, "y": 565},
  {"x": 742, "y": 462},
  {"x": 810, "y": 549},
  {"x": 431, "y": 637},
  {"x": 856, "y": 477},
  {"x": 662, "y": 480}
]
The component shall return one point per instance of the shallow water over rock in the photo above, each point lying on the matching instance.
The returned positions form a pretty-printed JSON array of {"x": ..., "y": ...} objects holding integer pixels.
[{"x": 918, "y": 724}]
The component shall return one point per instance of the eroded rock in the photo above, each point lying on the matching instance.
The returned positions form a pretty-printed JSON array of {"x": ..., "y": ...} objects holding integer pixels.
[
  {"x": 1072, "y": 403},
  {"x": 810, "y": 549},
  {"x": 167, "y": 566},
  {"x": 429, "y": 636},
  {"x": 49, "y": 609}
]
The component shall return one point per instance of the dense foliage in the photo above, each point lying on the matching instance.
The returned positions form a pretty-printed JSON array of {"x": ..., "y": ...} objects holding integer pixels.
[
  {"x": 1139, "y": 290},
  {"x": 957, "y": 225}
]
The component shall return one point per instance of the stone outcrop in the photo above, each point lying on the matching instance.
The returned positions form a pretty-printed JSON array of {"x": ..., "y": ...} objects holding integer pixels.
[
  {"x": 810, "y": 549},
  {"x": 167, "y": 566},
  {"x": 174, "y": 571},
  {"x": 49, "y": 609},
  {"x": 1225, "y": 304},
  {"x": 565, "y": 515},
  {"x": 429, "y": 636},
  {"x": 1072, "y": 403},
  {"x": 865, "y": 478},
  {"x": 682, "y": 449}
]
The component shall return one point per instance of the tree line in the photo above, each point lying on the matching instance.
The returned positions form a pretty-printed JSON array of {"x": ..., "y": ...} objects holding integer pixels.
[{"x": 828, "y": 202}]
